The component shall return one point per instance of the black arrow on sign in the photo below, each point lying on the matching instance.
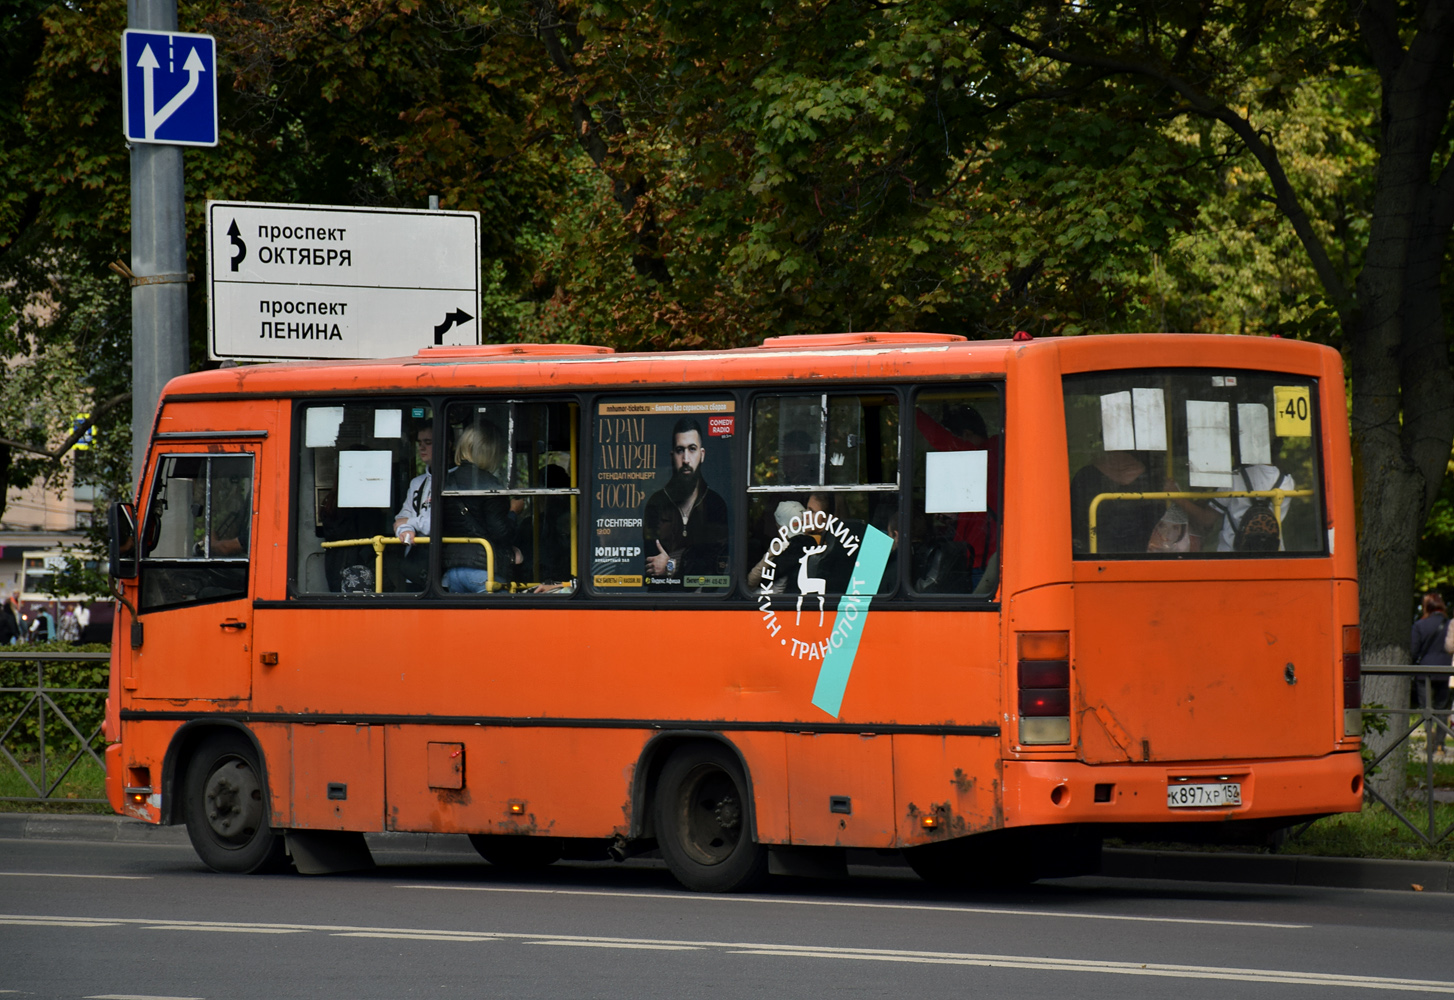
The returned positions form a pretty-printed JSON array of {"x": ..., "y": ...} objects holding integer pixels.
[
  {"x": 237, "y": 243},
  {"x": 459, "y": 316}
]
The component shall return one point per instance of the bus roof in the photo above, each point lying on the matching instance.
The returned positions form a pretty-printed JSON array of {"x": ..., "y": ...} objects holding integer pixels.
[{"x": 870, "y": 355}]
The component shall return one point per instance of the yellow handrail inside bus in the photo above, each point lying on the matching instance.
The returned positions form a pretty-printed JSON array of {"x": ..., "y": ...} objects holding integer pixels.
[
  {"x": 1277, "y": 495},
  {"x": 379, "y": 541}
]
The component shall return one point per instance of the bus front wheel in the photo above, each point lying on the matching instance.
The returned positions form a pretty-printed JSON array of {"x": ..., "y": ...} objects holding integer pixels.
[
  {"x": 702, "y": 822},
  {"x": 225, "y": 807}
]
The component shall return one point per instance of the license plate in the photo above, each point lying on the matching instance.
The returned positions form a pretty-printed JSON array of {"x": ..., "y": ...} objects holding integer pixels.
[{"x": 1190, "y": 796}]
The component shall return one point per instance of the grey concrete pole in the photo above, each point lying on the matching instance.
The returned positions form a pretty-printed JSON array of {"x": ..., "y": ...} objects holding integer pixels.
[{"x": 158, "y": 247}]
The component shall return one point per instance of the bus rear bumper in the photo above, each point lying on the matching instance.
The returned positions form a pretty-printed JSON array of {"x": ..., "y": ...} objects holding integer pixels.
[{"x": 1055, "y": 792}]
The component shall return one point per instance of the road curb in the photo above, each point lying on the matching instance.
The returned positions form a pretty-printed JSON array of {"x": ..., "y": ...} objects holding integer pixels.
[
  {"x": 1117, "y": 862},
  {"x": 113, "y": 829}
]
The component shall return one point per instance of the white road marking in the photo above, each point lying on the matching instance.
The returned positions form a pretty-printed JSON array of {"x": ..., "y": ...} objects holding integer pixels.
[
  {"x": 924, "y": 907},
  {"x": 418, "y": 936},
  {"x": 613, "y": 944},
  {"x": 129, "y": 878},
  {"x": 240, "y": 929},
  {"x": 1121, "y": 968},
  {"x": 43, "y": 922},
  {"x": 137, "y": 996},
  {"x": 1027, "y": 962}
]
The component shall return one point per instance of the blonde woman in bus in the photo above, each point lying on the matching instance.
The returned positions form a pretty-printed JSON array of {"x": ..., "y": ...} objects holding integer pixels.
[{"x": 477, "y": 455}]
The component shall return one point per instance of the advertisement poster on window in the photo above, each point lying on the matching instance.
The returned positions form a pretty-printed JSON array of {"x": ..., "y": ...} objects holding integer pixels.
[{"x": 661, "y": 496}]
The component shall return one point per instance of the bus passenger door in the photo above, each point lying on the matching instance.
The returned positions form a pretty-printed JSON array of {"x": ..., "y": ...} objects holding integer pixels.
[{"x": 195, "y": 601}]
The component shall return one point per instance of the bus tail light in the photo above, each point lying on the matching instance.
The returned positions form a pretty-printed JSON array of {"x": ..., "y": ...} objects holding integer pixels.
[
  {"x": 1044, "y": 687},
  {"x": 1352, "y": 681}
]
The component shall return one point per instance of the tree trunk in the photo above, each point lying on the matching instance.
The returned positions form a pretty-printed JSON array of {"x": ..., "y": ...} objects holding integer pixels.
[
  {"x": 4, "y": 478},
  {"x": 1403, "y": 417}
]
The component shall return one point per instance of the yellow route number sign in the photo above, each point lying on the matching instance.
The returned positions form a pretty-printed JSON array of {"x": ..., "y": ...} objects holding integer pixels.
[{"x": 1294, "y": 416}]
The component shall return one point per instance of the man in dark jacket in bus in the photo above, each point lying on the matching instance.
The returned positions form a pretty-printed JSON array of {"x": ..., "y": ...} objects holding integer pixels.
[{"x": 684, "y": 524}]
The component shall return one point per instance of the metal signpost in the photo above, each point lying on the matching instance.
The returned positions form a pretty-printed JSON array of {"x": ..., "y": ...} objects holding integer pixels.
[
  {"x": 314, "y": 281},
  {"x": 169, "y": 90}
]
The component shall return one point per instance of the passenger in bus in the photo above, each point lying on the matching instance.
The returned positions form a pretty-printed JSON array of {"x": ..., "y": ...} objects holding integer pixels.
[
  {"x": 684, "y": 524},
  {"x": 412, "y": 520},
  {"x": 785, "y": 565},
  {"x": 1121, "y": 525},
  {"x": 886, "y": 519},
  {"x": 231, "y": 516},
  {"x": 1240, "y": 524},
  {"x": 477, "y": 455},
  {"x": 834, "y": 564},
  {"x": 1247, "y": 522},
  {"x": 413, "y": 517}
]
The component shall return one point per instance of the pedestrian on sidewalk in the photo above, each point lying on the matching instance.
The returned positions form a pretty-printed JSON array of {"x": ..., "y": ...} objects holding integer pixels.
[
  {"x": 1426, "y": 647},
  {"x": 9, "y": 620}
]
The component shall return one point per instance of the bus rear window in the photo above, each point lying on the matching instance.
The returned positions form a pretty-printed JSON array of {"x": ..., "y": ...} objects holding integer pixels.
[{"x": 1192, "y": 463}]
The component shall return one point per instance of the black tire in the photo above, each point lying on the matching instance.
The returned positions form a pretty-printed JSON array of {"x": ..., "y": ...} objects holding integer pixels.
[
  {"x": 702, "y": 822},
  {"x": 518, "y": 853},
  {"x": 225, "y": 806}
]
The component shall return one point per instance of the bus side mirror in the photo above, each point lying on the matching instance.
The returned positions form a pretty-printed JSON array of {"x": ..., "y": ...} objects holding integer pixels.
[{"x": 121, "y": 551}]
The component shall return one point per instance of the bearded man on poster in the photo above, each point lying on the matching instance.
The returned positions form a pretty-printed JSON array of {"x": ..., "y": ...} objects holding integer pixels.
[{"x": 684, "y": 524}]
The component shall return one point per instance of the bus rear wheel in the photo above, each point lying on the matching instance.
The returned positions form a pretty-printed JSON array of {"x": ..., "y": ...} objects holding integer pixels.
[
  {"x": 702, "y": 824},
  {"x": 225, "y": 807},
  {"x": 517, "y": 853}
]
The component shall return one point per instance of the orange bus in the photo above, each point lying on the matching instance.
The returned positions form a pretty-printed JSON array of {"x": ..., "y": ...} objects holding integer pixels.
[{"x": 983, "y": 603}]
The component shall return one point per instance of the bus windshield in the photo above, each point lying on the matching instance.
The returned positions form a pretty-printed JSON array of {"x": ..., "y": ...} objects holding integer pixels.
[{"x": 1193, "y": 463}]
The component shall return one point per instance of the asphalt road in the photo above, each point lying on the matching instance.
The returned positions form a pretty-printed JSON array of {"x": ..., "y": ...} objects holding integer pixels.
[{"x": 84, "y": 919}]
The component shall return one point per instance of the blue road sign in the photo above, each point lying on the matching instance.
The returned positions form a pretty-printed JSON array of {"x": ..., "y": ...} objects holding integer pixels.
[{"x": 169, "y": 87}]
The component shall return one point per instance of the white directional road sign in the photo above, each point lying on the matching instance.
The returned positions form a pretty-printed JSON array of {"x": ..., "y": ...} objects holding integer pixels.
[
  {"x": 169, "y": 87},
  {"x": 291, "y": 282}
]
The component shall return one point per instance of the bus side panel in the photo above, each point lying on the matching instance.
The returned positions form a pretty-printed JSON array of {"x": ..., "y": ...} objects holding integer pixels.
[
  {"x": 954, "y": 781},
  {"x": 765, "y": 755},
  {"x": 841, "y": 789},
  {"x": 275, "y": 739},
  {"x": 338, "y": 777},
  {"x": 1036, "y": 548},
  {"x": 565, "y": 782}
]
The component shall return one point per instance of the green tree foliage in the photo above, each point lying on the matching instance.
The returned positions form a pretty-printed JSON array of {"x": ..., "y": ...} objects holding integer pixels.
[{"x": 678, "y": 173}]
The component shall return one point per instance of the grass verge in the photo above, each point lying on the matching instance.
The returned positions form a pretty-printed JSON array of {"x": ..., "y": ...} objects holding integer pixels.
[{"x": 87, "y": 780}]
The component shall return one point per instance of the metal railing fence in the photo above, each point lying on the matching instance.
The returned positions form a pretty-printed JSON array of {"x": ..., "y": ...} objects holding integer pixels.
[
  {"x": 1435, "y": 725},
  {"x": 38, "y": 702}
]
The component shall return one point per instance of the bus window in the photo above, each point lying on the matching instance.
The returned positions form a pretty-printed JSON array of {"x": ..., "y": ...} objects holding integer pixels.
[
  {"x": 364, "y": 469},
  {"x": 1168, "y": 464},
  {"x": 661, "y": 499},
  {"x": 509, "y": 499},
  {"x": 824, "y": 468},
  {"x": 198, "y": 531},
  {"x": 955, "y": 528}
]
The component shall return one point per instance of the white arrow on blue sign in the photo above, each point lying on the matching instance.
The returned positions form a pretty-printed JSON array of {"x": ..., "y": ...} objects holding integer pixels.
[{"x": 169, "y": 87}]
